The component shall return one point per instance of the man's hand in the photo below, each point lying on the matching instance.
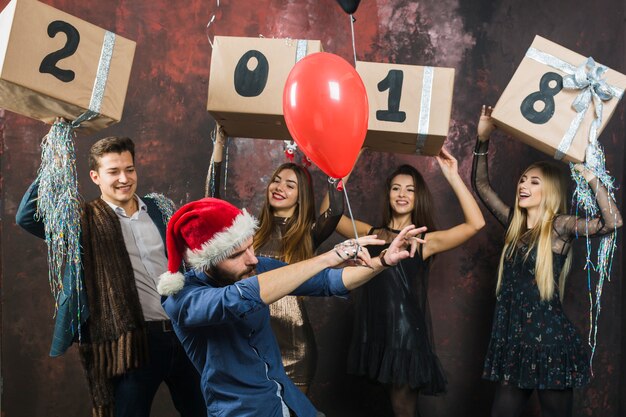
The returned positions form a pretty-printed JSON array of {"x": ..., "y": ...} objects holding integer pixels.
[{"x": 353, "y": 252}]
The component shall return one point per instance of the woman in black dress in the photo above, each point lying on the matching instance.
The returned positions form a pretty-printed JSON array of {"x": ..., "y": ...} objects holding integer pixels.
[
  {"x": 533, "y": 344},
  {"x": 392, "y": 341}
]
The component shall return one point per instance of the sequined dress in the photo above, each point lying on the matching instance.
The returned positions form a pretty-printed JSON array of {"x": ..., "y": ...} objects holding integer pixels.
[
  {"x": 392, "y": 339},
  {"x": 533, "y": 343},
  {"x": 289, "y": 319}
]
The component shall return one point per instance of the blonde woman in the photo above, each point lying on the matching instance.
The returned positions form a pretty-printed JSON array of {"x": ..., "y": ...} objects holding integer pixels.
[
  {"x": 533, "y": 344},
  {"x": 392, "y": 341},
  {"x": 289, "y": 231}
]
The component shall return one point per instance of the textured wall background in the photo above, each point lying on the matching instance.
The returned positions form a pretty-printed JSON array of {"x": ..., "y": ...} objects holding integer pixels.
[{"x": 165, "y": 114}]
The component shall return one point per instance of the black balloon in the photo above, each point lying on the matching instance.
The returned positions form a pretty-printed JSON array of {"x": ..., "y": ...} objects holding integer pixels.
[{"x": 349, "y": 6}]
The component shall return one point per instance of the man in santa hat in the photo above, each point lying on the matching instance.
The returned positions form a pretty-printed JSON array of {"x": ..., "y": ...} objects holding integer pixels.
[{"x": 219, "y": 308}]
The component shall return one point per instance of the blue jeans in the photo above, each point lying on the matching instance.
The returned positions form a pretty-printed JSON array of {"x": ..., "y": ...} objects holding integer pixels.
[{"x": 135, "y": 390}]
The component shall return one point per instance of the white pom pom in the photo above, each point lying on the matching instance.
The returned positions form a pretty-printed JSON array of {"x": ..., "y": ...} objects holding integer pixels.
[{"x": 170, "y": 284}]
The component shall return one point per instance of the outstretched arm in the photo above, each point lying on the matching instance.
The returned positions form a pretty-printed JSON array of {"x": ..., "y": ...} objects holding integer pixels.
[
  {"x": 344, "y": 226},
  {"x": 480, "y": 176},
  {"x": 210, "y": 305},
  {"x": 443, "y": 240},
  {"x": 610, "y": 218},
  {"x": 280, "y": 282}
]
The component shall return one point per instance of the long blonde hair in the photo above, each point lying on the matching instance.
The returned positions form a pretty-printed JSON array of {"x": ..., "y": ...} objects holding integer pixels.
[
  {"x": 553, "y": 203},
  {"x": 297, "y": 243}
]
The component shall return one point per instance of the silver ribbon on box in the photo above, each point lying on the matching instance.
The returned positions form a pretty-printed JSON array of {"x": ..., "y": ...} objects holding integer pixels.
[
  {"x": 424, "y": 117},
  {"x": 588, "y": 79},
  {"x": 301, "y": 46},
  {"x": 301, "y": 49},
  {"x": 100, "y": 83}
]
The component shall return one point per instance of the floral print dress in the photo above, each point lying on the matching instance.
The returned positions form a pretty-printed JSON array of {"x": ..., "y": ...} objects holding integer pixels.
[{"x": 533, "y": 344}]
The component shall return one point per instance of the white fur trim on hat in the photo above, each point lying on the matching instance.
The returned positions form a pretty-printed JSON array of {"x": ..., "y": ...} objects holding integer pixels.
[
  {"x": 224, "y": 243},
  {"x": 170, "y": 283}
]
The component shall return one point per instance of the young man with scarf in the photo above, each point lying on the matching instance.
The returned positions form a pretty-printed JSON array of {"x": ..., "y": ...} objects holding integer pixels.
[
  {"x": 126, "y": 343},
  {"x": 220, "y": 312}
]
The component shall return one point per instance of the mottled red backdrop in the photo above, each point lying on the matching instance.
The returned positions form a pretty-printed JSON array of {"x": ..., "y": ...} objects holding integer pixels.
[{"x": 165, "y": 114}]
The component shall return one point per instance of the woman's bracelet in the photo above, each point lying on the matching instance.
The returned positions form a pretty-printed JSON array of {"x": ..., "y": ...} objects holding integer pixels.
[
  {"x": 382, "y": 258},
  {"x": 480, "y": 153}
]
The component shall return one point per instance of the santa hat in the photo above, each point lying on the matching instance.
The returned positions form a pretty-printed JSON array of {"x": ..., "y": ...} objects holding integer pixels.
[{"x": 204, "y": 232}]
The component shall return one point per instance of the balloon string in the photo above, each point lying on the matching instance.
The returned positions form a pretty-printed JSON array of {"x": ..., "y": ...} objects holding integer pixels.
[
  {"x": 352, "y": 20},
  {"x": 356, "y": 235}
]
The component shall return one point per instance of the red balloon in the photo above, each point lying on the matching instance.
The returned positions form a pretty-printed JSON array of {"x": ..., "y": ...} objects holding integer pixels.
[{"x": 326, "y": 111}]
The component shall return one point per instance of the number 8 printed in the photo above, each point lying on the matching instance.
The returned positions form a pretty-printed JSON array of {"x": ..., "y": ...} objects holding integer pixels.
[{"x": 546, "y": 95}]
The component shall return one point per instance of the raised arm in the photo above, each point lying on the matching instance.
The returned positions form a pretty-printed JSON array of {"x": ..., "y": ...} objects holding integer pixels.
[
  {"x": 344, "y": 226},
  {"x": 327, "y": 221},
  {"x": 608, "y": 220},
  {"x": 214, "y": 180},
  {"x": 443, "y": 240},
  {"x": 480, "y": 176},
  {"x": 25, "y": 216}
]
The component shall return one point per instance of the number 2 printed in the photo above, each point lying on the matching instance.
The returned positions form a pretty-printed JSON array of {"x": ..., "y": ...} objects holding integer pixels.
[{"x": 49, "y": 63}]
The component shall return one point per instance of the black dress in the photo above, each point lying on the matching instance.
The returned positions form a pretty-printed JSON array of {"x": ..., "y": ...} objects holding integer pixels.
[
  {"x": 392, "y": 339},
  {"x": 533, "y": 344}
]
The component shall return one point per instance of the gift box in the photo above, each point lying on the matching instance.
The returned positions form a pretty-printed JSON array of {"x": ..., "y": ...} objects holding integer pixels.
[
  {"x": 54, "y": 64},
  {"x": 549, "y": 105},
  {"x": 246, "y": 83},
  {"x": 410, "y": 107}
]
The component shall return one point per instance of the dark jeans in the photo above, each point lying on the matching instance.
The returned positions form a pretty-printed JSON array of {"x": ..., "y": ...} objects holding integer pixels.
[{"x": 135, "y": 390}]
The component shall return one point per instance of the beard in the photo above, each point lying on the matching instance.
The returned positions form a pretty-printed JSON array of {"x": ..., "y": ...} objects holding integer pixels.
[
  {"x": 250, "y": 272},
  {"x": 222, "y": 277}
]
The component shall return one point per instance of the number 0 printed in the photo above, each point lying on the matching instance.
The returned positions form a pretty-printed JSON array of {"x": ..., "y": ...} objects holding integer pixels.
[{"x": 251, "y": 83}]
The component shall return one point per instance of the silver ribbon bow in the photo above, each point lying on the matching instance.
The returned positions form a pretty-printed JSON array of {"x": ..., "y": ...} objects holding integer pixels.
[{"x": 587, "y": 78}]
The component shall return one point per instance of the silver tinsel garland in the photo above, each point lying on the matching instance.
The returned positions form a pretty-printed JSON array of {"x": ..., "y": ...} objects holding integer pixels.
[{"x": 59, "y": 208}]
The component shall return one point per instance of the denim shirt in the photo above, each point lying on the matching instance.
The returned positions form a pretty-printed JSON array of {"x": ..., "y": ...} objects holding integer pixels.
[{"x": 227, "y": 335}]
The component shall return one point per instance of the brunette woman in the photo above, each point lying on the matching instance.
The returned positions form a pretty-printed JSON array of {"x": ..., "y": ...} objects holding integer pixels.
[
  {"x": 289, "y": 231},
  {"x": 392, "y": 340}
]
